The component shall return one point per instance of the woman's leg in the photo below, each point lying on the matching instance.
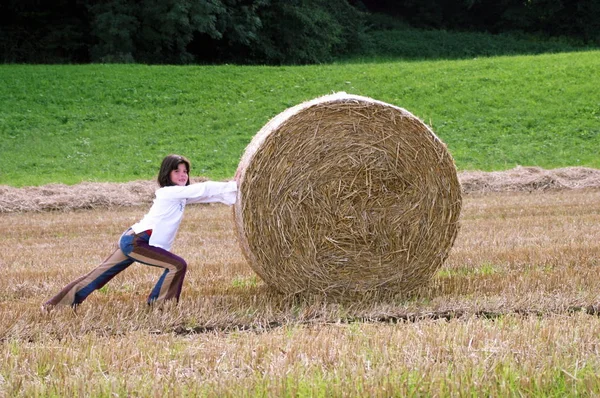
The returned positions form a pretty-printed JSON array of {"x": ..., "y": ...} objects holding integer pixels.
[
  {"x": 77, "y": 291},
  {"x": 169, "y": 285}
]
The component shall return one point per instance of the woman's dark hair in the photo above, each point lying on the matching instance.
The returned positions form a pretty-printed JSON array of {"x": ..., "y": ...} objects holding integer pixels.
[{"x": 170, "y": 163}]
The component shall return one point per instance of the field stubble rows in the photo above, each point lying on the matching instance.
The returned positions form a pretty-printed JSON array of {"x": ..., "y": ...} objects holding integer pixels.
[{"x": 528, "y": 259}]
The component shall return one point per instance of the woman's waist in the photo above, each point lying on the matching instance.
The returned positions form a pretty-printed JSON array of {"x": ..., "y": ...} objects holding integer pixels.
[{"x": 131, "y": 231}]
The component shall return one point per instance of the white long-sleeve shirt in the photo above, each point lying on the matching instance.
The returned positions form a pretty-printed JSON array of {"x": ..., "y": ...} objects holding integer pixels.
[{"x": 166, "y": 212}]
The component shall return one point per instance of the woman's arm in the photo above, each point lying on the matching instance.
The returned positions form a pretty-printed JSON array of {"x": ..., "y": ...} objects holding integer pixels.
[{"x": 203, "y": 192}]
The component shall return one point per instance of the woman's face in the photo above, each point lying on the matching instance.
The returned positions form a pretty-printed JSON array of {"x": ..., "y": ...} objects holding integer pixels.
[{"x": 179, "y": 176}]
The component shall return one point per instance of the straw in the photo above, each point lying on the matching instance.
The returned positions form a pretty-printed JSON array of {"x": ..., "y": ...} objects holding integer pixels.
[{"x": 345, "y": 194}]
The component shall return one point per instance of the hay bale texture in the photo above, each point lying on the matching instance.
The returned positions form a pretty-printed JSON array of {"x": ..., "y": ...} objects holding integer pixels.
[{"x": 346, "y": 194}]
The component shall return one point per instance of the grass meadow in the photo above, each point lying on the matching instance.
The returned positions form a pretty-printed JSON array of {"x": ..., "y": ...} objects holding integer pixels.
[
  {"x": 513, "y": 312},
  {"x": 73, "y": 123}
]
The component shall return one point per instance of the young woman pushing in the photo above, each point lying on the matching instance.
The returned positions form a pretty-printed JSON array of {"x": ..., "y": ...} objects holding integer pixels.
[{"x": 149, "y": 240}]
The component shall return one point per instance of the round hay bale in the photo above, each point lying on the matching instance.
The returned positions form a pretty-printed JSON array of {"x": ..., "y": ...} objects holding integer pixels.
[{"x": 346, "y": 194}]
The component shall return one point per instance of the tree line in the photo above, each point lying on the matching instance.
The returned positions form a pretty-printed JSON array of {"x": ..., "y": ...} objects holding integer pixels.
[{"x": 260, "y": 31}]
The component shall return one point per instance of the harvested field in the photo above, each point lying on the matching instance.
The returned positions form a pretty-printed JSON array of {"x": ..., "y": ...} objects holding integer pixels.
[
  {"x": 90, "y": 195},
  {"x": 513, "y": 311}
]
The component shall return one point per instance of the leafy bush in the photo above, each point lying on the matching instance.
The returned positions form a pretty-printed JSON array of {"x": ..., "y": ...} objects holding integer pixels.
[
  {"x": 269, "y": 31},
  {"x": 312, "y": 31},
  {"x": 435, "y": 44}
]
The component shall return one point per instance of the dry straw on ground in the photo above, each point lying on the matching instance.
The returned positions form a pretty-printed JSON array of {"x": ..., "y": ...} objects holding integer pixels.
[
  {"x": 82, "y": 196},
  {"x": 529, "y": 179},
  {"x": 91, "y": 195},
  {"x": 345, "y": 194},
  {"x": 86, "y": 195}
]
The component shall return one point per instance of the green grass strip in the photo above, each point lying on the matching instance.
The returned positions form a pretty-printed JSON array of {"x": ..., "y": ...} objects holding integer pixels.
[{"x": 73, "y": 123}]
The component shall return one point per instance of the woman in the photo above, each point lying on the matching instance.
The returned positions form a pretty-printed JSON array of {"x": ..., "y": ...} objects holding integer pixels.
[{"x": 149, "y": 241}]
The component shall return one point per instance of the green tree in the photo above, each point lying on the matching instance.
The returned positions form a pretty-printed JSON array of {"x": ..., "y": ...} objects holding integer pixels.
[
  {"x": 43, "y": 32},
  {"x": 171, "y": 31},
  {"x": 306, "y": 31},
  {"x": 114, "y": 26}
]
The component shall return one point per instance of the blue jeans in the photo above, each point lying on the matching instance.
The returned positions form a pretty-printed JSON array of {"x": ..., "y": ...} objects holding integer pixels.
[{"x": 132, "y": 247}]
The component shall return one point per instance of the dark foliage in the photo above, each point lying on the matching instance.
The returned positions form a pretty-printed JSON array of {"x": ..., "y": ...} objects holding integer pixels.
[{"x": 260, "y": 31}]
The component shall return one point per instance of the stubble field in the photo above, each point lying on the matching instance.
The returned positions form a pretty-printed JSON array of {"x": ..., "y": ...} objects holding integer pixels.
[{"x": 514, "y": 311}]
